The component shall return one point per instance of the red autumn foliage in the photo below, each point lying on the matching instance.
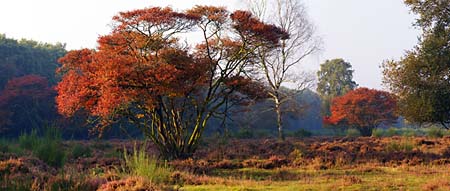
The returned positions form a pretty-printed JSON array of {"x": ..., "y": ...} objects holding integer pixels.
[
  {"x": 22, "y": 91},
  {"x": 363, "y": 108},
  {"x": 142, "y": 72},
  {"x": 250, "y": 26}
]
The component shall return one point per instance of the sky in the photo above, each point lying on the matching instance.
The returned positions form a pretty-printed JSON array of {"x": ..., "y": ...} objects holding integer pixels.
[{"x": 363, "y": 32}]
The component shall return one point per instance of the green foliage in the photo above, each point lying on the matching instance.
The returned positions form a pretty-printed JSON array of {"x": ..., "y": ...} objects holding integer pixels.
[
  {"x": 335, "y": 79},
  {"x": 29, "y": 141},
  {"x": 47, "y": 148},
  {"x": 353, "y": 133},
  {"x": 420, "y": 78},
  {"x": 377, "y": 132},
  {"x": 435, "y": 132},
  {"x": 244, "y": 133},
  {"x": 138, "y": 163},
  {"x": 391, "y": 132},
  {"x": 302, "y": 133},
  {"x": 81, "y": 151}
]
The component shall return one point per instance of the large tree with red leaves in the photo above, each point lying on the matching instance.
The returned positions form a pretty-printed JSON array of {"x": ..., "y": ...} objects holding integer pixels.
[
  {"x": 143, "y": 73},
  {"x": 364, "y": 109}
]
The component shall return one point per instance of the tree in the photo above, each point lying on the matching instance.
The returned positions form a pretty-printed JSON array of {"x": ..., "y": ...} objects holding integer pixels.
[
  {"x": 421, "y": 78},
  {"x": 364, "y": 109},
  {"x": 26, "y": 102},
  {"x": 335, "y": 79},
  {"x": 143, "y": 74},
  {"x": 278, "y": 66},
  {"x": 27, "y": 71}
]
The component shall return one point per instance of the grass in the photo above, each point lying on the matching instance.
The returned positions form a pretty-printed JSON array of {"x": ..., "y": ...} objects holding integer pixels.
[
  {"x": 47, "y": 148},
  {"x": 379, "y": 178},
  {"x": 139, "y": 163}
]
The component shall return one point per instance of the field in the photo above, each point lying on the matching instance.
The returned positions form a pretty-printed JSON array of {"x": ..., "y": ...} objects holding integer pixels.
[{"x": 319, "y": 163}]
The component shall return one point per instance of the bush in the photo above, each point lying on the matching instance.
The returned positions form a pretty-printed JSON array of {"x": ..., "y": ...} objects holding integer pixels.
[
  {"x": 302, "y": 133},
  {"x": 391, "y": 132},
  {"x": 353, "y": 133},
  {"x": 435, "y": 132},
  {"x": 377, "y": 133},
  {"x": 408, "y": 132},
  {"x": 405, "y": 145},
  {"x": 81, "y": 151},
  {"x": 244, "y": 133},
  {"x": 140, "y": 164}
]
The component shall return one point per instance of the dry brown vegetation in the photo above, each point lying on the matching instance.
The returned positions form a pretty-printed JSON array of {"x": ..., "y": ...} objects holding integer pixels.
[{"x": 262, "y": 162}]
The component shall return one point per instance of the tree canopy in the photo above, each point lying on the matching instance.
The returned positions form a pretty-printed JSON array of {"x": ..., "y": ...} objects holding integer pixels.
[
  {"x": 143, "y": 73},
  {"x": 27, "y": 72},
  {"x": 421, "y": 77},
  {"x": 335, "y": 79},
  {"x": 364, "y": 109}
]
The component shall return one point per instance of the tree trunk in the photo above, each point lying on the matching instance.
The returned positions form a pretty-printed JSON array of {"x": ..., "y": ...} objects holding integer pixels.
[{"x": 279, "y": 120}]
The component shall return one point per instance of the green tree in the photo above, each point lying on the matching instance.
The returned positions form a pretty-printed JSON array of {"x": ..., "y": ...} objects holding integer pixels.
[
  {"x": 421, "y": 78},
  {"x": 335, "y": 79}
]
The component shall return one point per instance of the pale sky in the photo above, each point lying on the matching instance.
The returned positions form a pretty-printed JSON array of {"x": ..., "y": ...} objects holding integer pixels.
[{"x": 363, "y": 32}]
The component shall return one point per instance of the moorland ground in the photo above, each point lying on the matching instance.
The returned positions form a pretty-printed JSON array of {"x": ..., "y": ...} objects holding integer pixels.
[{"x": 317, "y": 163}]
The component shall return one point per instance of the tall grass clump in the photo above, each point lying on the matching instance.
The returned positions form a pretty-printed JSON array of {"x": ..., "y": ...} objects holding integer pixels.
[
  {"x": 138, "y": 163},
  {"x": 29, "y": 141},
  {"x": 47, "y": 148}
]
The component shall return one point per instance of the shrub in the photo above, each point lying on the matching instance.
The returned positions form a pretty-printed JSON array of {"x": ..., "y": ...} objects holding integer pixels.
[
  {"x": 391, "y": 132},
  {"x": 4, "y": 146},
  {"x": 408, "y": 132},
  {"x": 81, "y": 151},
  {"x": 353, "y": 133},
  {"x": 140, "y": 164},
  {"x": 405, "y": 145},
  {"x": 435, "y": 132},
  {"x": 302, "y": 133},
  {"x": 244, "y": 133},
  {"x": 377, "y": 132}
]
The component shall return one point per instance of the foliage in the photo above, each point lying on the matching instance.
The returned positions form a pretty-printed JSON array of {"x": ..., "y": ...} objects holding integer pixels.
[
  {"x": 420, "y": 78},
  {"x": 404, "y": 145},
  {"x": 364, "y": 109},
  {"x": 46, "y": 148},
  {"x": 138, "y": 163},
  {"x": 353, "y": 133},
  {"x": 26, "y": 102},
  {"x": 29, "y": 141},
  {"x": 81, "y": 151},
  {"x": 244, "y": 133},
  {"x": 378, "y": 133},
  {"x": 435, "y": 132},
  {"x": 143, "y": 74},
  {"x": 302, "y": 133},
  {"x": 27, "y": 71},
  {"x": 335, "y": 79}
]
